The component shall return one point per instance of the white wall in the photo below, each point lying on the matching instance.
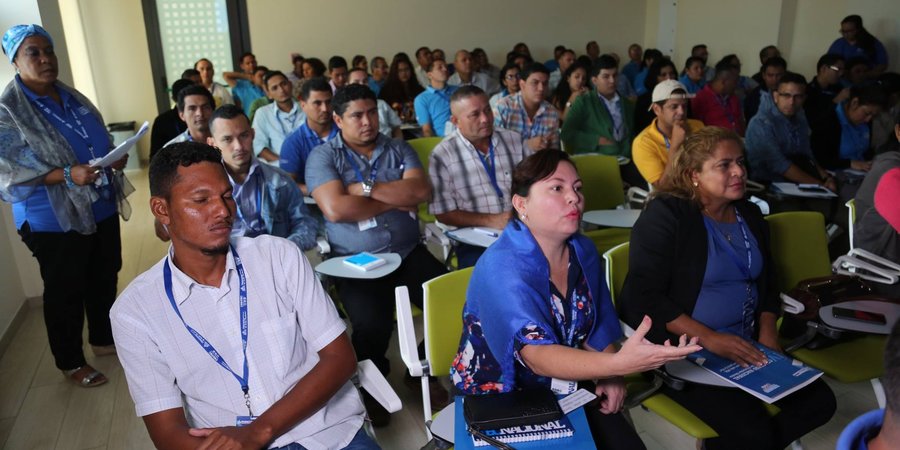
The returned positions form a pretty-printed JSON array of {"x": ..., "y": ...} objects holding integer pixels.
[
  {"x": 323, "y": 28},
  {"x": 19, "y": 277}
]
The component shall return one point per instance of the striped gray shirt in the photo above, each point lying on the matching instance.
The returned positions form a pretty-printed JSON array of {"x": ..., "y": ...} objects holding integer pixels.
[{"x": 460, "y": 180}]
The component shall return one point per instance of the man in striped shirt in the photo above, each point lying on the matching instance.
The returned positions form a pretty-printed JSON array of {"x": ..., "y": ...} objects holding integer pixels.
[{"x": 471, "y": 169}]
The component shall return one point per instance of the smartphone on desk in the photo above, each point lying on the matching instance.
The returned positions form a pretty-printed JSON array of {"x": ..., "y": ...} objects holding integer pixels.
[{"x": 859, "y": 316}]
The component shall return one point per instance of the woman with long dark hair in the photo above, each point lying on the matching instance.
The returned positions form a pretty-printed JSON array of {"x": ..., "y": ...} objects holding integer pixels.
[
  {"x": 574, "y": 83},
  {"x": 401, "y": 87}
]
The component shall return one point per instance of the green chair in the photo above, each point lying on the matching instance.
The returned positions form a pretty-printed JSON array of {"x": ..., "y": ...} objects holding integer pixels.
[
  {"x": 799, "y": 247},
  {"x": 602, "y": 181},
  {"x": 607, "y": 238},
  {"x": 443, "y": 302},
  {"x": 424, "y": 147},
  {"x": 639, "y": 389}
]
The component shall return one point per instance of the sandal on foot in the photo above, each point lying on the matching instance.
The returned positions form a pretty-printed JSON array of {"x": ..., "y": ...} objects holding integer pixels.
[
  {"x": 104, "y": 350},
  {"x": 89, "y": 378}
]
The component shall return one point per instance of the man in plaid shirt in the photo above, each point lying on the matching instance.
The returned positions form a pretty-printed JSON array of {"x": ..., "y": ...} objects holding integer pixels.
[
  {"x": 471, "y": 170},
  {"x": 528, "y": 113}
]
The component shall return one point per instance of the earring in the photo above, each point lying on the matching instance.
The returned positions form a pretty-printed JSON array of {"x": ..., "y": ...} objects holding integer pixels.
[
  {"x": 524, "y": 217},
  {"x": 696, "y": 184}
]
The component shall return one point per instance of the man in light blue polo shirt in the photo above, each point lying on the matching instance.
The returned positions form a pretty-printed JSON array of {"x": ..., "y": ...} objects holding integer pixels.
[
  {"x": 246, "y": 85},
  {"x": 433, "y": 105},
  {"x": 317, "y": 129},
  {"x": 368, "y": 187},
  {"x": 276, "y": 120}
]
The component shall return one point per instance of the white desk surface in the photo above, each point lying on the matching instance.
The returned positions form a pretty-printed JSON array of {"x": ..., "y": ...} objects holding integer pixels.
[
  {"x": 476, "y": 236},
  {"x": 891, "y": 312},
  {"x": 689, "y": 371},
  {"x": 444, "y": 422},
  {"x": 335, "y": 267},
  {"x": 619, "y": 218}
]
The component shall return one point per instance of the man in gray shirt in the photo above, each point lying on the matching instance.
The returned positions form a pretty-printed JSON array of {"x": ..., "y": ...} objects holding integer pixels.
[{"x": 368, "y": 187}]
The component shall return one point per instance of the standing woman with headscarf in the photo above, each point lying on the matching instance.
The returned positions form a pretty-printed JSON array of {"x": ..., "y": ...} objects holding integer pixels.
[{"x": 64, "y": 209}]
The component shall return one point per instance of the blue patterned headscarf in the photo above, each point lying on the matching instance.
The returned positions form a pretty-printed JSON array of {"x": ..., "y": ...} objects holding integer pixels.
[{"x": 14, "y": 36}]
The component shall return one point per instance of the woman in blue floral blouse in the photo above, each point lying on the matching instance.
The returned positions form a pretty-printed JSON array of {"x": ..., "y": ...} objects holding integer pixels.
[{"x": 538, "y": 313}]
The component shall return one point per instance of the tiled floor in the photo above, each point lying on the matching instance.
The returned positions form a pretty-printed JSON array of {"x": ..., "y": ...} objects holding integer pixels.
[{"x": 40, "y": 410}]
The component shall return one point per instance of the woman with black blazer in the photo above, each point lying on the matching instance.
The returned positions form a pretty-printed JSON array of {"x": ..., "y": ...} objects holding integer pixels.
[{"x": 700, "y": 265}]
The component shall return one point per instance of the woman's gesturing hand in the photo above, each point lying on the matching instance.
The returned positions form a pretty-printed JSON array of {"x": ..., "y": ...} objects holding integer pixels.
[{"x": 639, "y": 355}]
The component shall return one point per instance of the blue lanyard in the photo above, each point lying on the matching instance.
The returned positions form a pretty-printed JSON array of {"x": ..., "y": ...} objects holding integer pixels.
[
  {"x": 617, "y": 131},
  {"x": 81, "y": 131},
  {"x": 663, "y": 135},
  {"x": 723, "y": 101},
  {"x": 748, "y": 312},
  {"x": 745, "y": 270},
  {"x": 568, "y": 331},
  {"x": 491, "y": 169},
  {"x": 244, "y": 381},
  {"x": 280, "y": 123},
  {"x": 373, "y": 172}
]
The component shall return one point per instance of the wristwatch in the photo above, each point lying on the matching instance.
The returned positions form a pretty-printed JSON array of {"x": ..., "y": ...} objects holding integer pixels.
[{"x": 367, "y": 187}]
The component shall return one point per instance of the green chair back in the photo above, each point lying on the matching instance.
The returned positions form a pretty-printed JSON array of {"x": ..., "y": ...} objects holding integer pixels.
[
  {"x": 799, "y": 247},
  {"x": 616, "y": 260},
  {"x": 444, "y": 298},
  {"x": 602, "y": 181},
  {"x": 424, "y": 147}
]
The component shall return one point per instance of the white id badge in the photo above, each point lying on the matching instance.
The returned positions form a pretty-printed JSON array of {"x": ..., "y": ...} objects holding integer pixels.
[
  {"x": 102, "y": 179},
  {"x": 563, "y": 387},
  {"x": 367, "y": 224},
  {"x": 244, "y": 420}
]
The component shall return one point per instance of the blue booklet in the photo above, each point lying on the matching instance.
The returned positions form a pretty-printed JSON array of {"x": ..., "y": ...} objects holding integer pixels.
[
  {"x": 571, "y": 431},
  {"x": 781, "y": 376},
  {"x": 364, "y": 261}
]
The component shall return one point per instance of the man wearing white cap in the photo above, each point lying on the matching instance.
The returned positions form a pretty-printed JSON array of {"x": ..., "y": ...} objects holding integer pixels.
[{"x": 652, "y": 147}]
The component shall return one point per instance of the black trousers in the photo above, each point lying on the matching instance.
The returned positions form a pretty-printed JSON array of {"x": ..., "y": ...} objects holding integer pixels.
[
  {"x": 80, "y": 274},
  {"x": 609, "y": 431},
  {"x": 370, "y": 303},
  {"x": 742, "y": 421}
]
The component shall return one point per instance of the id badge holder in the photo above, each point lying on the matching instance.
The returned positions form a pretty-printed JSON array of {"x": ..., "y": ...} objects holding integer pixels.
[
  {"x": 367, "y": 224},
  {"x": 563, "y": 387},
  {"x": 102, "y": 179},
  {"x": 244, "y": 420}
]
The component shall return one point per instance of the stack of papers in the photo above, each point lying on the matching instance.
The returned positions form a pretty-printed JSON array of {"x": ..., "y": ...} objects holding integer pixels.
[
  {"x": 778, "y": 378},
  {"x": 803, "y": 190}
]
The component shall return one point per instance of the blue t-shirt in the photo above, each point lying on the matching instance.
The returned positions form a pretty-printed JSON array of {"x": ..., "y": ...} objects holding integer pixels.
[
  {"x": 375, "y": 86},
  {"x": 247, "y": 93},
  {"x": 433, "y": 108},
  {"x": 297, "y": 147},
  {"x": 724, "y": 302},
  {"x": 88, "y": 138},
  {"x": 844, "y": 48}
]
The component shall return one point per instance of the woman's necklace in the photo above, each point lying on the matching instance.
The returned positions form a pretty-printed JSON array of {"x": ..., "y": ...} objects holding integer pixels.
[{"x": 716, "y": 224}]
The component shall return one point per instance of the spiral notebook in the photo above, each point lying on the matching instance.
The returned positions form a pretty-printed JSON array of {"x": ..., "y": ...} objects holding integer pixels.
[{"x": 578, "y": 435}]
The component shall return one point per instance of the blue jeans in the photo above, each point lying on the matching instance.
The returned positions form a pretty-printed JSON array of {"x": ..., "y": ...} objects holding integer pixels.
[{"x": 361, "y": 441}]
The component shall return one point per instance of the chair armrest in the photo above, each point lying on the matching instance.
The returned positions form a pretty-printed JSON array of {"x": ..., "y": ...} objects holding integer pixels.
[
  {"x": 763, "y": 205},
  {"x": 323, "y": 245},
  {"x": 371, "y": 379},
  {"x": 434, "y": 233},
  {"x": 791, "y": 305},
  {"x": 635, "y": 196},
  {"x": 868, "y": 266},
  {"x": 636, "y": 398},
  {"x": 406, "y": 333}
]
